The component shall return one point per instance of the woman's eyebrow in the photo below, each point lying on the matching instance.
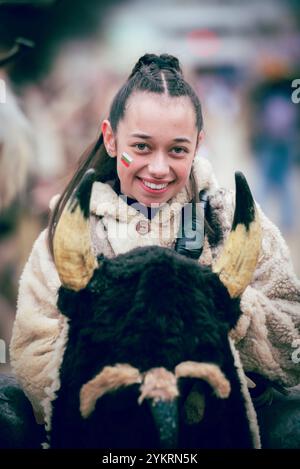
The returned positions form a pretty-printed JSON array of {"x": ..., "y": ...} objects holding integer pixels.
[
  {"x": 145, "y": 136},
  {"x": 182, "y": 139},
  {"x": 140, "y": 135}
]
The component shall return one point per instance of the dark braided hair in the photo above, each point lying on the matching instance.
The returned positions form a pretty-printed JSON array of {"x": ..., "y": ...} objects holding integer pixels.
[
  {"x": 156, "y": 74},
  {"x": 152, "y": 73},
  {"x": 163, "y": 61}
]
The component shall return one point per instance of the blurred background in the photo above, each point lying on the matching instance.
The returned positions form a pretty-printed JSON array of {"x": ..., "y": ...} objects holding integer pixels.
[{"x": 62, "y": 61}]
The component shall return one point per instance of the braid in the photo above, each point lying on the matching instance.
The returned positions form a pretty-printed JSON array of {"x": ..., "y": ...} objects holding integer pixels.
[
  {"x": 155, "y": 63},
  {"x": 148, "y": 77}
]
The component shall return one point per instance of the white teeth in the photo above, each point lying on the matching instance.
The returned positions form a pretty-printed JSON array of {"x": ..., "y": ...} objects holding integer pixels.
[{"x": 154, "y": 186}]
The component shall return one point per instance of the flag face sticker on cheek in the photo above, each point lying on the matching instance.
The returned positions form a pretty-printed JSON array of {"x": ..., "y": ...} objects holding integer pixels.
[{"x": 126, "y": 159}]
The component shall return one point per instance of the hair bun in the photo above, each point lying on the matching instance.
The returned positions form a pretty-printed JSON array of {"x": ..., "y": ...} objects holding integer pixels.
[{"x": 163, "y": 61}]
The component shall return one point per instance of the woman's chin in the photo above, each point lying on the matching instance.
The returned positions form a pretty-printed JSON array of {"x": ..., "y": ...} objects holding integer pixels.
[{"x": 152, "y": 201}]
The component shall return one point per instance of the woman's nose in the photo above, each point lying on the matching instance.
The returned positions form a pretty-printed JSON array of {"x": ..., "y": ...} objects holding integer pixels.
[{"x": 158, "y": 166}]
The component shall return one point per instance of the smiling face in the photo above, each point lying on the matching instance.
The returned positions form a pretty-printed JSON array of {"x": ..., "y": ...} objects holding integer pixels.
[{"x": 159, "y": 133}]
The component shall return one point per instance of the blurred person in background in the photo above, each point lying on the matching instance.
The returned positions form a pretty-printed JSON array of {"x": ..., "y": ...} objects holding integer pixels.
[
  {"x": 17, "y": 152},
  {"x": 275, "y": 148}
]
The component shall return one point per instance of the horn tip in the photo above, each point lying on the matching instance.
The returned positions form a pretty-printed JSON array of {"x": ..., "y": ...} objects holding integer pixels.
[
  {"x": 82, "y": 193},
  {"x": 244, "y": 202}
]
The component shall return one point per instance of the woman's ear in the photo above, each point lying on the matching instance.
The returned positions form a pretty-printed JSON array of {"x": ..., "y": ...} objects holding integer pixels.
[{"x": 109, "y": 139}]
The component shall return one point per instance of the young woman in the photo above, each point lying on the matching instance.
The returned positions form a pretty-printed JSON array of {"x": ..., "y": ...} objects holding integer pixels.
[{"x": 146, "y": 170}]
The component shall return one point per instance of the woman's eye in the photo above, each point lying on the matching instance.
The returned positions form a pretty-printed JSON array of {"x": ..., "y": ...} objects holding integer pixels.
[
  {"x": 141, "y": 146},
  {"x": 179, "y": 150}
]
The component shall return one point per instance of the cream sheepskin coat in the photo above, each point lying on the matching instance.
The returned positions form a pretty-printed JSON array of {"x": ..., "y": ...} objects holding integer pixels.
[{"x": 266, "y": 334}]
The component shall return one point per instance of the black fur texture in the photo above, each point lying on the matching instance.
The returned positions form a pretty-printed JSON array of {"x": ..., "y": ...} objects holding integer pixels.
[{"x": 150, "y": 307}]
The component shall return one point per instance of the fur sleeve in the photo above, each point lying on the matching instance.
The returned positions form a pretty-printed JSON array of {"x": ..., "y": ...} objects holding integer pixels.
[
  {"x": 267, "y": 334},
  {"x": 37, "y": 324}
]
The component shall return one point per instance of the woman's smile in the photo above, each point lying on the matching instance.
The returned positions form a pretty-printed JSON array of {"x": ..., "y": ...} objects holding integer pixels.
[{"x": 156, "y": 187}]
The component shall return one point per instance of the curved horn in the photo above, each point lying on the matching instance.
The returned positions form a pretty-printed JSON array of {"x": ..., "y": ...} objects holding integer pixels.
[
  {"x": 208, "y": 372},
  {"x": 72, "y": 247},
  {"x": 239, "y": 257},
  {"x": 109, "y": 379}
]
